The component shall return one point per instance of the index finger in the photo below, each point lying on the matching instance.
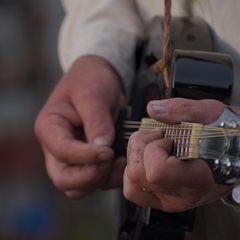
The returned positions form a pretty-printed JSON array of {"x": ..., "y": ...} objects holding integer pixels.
[{"x": 63, "y": 145}]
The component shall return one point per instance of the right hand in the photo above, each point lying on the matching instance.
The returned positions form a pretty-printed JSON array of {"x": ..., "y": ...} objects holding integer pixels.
[{"x": 76, "y": 128}]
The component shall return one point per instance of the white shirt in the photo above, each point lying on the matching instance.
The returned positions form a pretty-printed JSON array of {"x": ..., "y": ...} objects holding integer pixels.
[{"x": 110, "y": 29}]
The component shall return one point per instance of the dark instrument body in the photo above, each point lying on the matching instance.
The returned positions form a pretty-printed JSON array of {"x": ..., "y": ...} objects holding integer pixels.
[
  {"x": 196, "y": 75},
  {"x": 145, "y": 223}
]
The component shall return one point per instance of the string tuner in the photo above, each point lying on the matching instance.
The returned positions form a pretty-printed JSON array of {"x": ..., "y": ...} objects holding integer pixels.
[
  {"x": 232, "y": 124},
  {"x": 222, "y": 124},
  {"x": 236, "y": 165},
  {"x": 217, "y": 162}
]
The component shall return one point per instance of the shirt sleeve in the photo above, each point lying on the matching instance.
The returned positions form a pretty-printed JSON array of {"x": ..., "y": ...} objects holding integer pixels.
[{"x": 105, "y": 28}]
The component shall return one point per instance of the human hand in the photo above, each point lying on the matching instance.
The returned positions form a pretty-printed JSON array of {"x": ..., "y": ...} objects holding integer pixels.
[
  {"x": 76, "y": 129},
  {"x": 172, "y": 185}
]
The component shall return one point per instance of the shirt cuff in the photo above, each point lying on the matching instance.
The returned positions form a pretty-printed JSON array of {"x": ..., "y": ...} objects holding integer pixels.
[{"x": 116, "y": 46}]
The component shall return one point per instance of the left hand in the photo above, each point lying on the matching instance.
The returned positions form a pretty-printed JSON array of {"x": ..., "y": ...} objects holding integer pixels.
[{"x": 172, "y": 185}]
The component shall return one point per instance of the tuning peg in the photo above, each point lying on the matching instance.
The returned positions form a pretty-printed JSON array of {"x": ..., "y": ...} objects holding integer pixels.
[
  {"x": 236, "y": 165},
  {"x": 222, "y": 124},
  {"x": 227, "y": 165},
  {"x": 224, "y": 163},
  {"x": 232, "y": 124}
]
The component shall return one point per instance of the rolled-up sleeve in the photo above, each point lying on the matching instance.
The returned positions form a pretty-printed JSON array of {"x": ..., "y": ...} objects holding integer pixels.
[{"x": 105, "y": 28}]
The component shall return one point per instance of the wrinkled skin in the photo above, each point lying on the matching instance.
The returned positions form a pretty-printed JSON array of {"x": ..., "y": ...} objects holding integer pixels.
[
  {"x": 172, "y": 185},
  {"x": 76, "y": 129}
]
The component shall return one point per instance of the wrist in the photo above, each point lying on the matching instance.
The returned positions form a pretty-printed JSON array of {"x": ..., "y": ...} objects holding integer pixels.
[{"x": 94, "y": 60}]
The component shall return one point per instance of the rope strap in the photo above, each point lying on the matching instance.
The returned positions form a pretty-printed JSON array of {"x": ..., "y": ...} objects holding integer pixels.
[{"x": 164, "y": 64}]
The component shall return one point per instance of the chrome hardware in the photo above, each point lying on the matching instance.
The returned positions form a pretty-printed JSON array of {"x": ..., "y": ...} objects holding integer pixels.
[
  {"x": 224, "y": 163},
  {"x": 222, "y": 124},
  {"x": 227, "y": 165},
  {"x": 236, "y": 165},
  {"x": 222, "y": 153},
  {"x": 217, "y": 162},
  {"x": 232, "y": 124}
]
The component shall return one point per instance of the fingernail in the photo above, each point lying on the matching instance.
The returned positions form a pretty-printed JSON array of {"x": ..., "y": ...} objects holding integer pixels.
[
  {"x": 160, "y": 107},
  {"x": 101, "y": 141},
  {"x": 104, "y": 166}
]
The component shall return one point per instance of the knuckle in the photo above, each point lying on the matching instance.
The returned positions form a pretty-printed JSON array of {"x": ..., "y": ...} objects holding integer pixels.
[
  {"x": 135, "y": 136},
  {"x": 133, "y": 140},
  {"x": 133, "y": 174},
  {"x": 97, "y": 127},
  {"x": 59, "y": 183},
  {"x": 94, "y": 123},
  {"x": 153, "y": 177},
  {"x": 58, "y": 153},
  {"x": 127, "y": 192},
  {"x": 153, "y": 159},
  {"x": 134, "y": 144},
  {"x": 92, "y": 175}
]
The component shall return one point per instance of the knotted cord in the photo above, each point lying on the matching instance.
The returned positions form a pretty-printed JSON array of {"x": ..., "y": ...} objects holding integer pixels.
[{"x": 164, "y": 64}]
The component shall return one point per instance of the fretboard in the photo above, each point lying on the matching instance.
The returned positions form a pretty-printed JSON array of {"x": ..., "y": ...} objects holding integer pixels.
[{"x": 185, "y": 136}]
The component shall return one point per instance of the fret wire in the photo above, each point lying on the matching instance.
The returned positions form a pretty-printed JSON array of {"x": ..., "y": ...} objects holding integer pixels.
[
  {"x": 170, "y": 135},
  {"x": 167, "y": 131},
  {"x": 189, "y": 133},
  {"x": 177, "y": 144},
  {"x": 186, "y": 141},
  {"x": 182, "y": 140},
  {"x": 174, "y": 134},
  {"x": 189, "y": 140},
  {"x": 183, "y": 134}
]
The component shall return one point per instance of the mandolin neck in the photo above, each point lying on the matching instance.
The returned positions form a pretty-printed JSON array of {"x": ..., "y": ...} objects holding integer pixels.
[
  {"x": 217, "y": 143},
  {"x": 185, "y": 136}
]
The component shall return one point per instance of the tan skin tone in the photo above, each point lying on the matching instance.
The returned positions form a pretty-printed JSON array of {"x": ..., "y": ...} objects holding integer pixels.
[
  {"x": 175, "y": 185},
  {"x": 76, "y": 129}
]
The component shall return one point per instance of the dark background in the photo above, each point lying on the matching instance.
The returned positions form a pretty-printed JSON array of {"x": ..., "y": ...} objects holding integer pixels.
[{"x": 30, "y": 206}]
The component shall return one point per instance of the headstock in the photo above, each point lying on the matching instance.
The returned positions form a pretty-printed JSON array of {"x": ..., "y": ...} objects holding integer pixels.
[{"x": 222, "y": 152}]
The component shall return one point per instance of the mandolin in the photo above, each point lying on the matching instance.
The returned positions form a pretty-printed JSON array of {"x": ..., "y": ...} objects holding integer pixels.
[
  {"x": 217, "y": 143},
  {"x": 196, "y": 75}
]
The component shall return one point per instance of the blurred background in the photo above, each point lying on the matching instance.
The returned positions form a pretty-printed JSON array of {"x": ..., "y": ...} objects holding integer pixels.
[{"x": 30, "y": 206}]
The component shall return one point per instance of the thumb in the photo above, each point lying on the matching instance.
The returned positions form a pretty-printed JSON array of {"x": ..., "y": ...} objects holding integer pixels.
[
  {"x": 97, "y": 123},
  {"x": 175, "y": 110}
]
